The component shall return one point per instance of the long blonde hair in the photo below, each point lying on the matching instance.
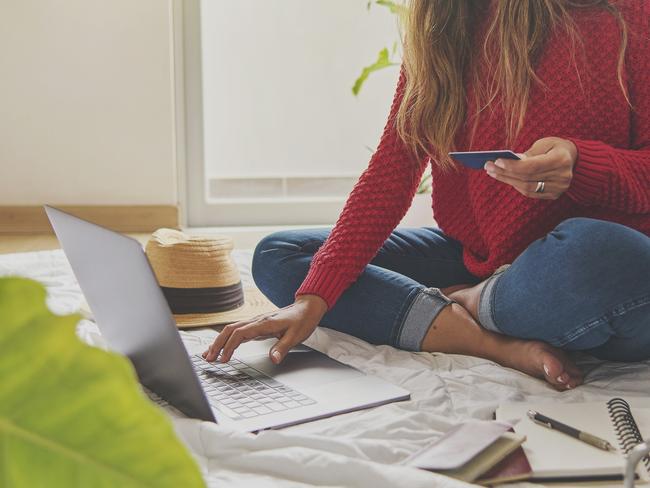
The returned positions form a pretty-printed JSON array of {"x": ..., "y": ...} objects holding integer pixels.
[{"x": 438, "y": 55}]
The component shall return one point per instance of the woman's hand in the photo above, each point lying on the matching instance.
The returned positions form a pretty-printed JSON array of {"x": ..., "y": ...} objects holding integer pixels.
[
  {"x": 291, "y": 325},
  {"x": 550, "y": 160}
]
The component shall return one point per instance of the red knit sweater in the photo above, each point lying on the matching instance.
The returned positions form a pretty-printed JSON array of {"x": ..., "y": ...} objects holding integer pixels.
[{"x": 492, "y": 220}]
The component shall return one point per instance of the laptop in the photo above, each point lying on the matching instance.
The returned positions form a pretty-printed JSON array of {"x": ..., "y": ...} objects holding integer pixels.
[{"x": 249, "y": 393}]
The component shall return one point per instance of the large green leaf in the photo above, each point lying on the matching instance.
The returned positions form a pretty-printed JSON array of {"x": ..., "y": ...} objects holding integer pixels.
[{"x": 72, "y": 415}]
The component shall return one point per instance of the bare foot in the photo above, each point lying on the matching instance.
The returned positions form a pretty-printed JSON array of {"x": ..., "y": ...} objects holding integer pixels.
[
  {"x": 455, "y": 330},
  {"x": 546, "y": 362}
]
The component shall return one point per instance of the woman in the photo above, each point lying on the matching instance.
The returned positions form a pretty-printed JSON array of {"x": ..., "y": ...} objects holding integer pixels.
[{"x": 566, "y": 83}]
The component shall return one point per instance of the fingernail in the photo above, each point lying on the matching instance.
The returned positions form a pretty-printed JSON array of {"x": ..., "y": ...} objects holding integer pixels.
[
  {"x": 546, "y": 370},
  {"x": 276, "y": 356},
  {"x": 485, "y": 166},
  {"x": 560, "y": 379},
  {"x": 499, "y": 163}
]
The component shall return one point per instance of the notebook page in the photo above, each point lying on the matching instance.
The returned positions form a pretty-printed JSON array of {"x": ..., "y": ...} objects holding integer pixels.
[{"x": 553, "y": 454}]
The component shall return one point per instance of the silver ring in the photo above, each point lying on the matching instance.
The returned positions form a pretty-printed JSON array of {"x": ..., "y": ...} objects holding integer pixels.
[{"x": 540, "y": 187}]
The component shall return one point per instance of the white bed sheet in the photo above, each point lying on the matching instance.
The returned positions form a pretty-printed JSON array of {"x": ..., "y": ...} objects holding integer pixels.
[{"x": 357, "y": 449}]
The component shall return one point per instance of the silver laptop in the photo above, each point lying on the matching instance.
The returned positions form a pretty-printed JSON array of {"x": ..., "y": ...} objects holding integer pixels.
[{"x": 248, "y": 393}]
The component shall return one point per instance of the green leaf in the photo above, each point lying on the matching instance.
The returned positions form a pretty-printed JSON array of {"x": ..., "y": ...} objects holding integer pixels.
[
  {"x": 72, "y": 415},
  {"x": 425, "y": 184},
  {"x": 394, "y": 7},
  {"x": 383, "y": 61}
]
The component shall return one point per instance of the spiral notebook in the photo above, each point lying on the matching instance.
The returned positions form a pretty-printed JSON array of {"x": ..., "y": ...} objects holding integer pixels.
[{"x": 554, "y": 456}]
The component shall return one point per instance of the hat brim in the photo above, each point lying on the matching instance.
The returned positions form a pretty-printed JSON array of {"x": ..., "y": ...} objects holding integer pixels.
[{"x": 255, "y": 303}]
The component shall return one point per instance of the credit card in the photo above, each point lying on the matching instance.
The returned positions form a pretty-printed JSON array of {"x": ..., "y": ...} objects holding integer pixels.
[{"x": 477, "y": 159}]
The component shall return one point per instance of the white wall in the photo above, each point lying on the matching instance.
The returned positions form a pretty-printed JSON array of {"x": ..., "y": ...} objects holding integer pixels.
[
  {"x": 277, "y": 78},
  {"x": 86, "y": 102}
]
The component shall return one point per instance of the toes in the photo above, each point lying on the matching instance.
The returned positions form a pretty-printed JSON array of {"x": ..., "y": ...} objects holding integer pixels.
[
  {"x": 563, "y": 378},
  {"x": 561, "y": 381},
  {"x": 556, "y": 374},
  {"x": 576, "y": 378},
  {"x": 560, "y": 372},
  {"x": 553, "y": 369},
  {"x": 573, "y": 374}
]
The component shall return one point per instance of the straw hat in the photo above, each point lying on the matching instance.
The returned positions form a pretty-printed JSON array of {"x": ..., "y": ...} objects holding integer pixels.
[{"x": 200, "y": 280}]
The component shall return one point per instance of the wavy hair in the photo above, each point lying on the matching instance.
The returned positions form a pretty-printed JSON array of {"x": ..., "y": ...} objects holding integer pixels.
[{"x": 439, "y": 55}]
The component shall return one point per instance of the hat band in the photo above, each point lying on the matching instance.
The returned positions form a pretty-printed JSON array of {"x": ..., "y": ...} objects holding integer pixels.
[{"x": 204, "y": 300}]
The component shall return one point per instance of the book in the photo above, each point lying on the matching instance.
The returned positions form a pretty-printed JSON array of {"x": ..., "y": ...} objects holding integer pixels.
[
  {"x": 468, "y": 450},
  {"x": 487, "y": 458},
  {"x": 514, "y": 467},
  {"x": 554, "y": 456}
]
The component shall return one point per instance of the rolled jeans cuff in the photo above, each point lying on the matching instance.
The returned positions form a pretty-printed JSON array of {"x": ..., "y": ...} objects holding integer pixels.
[
  {"x": 486, "y": 304},
  {"x": 424, "y": 308}
]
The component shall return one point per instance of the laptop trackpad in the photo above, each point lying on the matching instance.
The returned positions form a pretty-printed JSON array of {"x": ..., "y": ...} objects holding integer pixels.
[{"x": 304, "y": 368}]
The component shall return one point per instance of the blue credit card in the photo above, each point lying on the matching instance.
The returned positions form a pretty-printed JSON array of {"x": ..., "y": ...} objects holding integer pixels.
[{"x": 477, "y": 159}]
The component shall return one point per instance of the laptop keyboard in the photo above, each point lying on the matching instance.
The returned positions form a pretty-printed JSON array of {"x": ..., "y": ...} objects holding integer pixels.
[{"x": 243, "y": 392}]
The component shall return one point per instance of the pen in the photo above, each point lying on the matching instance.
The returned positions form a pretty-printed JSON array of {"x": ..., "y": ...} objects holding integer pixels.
[{"x": 540, "y": 419}]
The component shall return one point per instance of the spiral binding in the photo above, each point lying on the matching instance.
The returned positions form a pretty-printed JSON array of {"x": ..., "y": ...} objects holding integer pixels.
[{"x": 625, "y": 426}]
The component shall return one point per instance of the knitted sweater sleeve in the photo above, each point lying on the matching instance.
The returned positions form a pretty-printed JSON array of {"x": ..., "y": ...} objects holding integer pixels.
[
  {"x": 379, "y": 200},
  {"x": 615, "y": 178}
]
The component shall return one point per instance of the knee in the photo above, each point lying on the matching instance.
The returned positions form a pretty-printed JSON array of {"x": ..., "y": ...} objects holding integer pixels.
[
  {"x": 264, "y": 257},
  {"x": 602, "y": 241},
  {"x": 270, "y": 242},
  {"x": 274, "y": 254},
  {"x": 604, "y": 251},
  {"x": 586, "y": 232}
]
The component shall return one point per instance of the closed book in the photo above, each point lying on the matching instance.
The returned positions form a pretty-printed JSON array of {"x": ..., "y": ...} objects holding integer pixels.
[
  {"x": 486, "y": 459},
  {"x": 514, "y": 467},
  {"x": 468, "y": 450}
]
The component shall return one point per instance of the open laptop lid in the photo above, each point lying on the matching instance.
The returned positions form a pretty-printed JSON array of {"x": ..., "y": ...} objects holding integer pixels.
[{"x": 130, "y": 309}]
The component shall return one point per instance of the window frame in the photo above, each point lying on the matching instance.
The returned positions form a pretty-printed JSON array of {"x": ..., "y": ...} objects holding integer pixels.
[{"x": 196, "y": 210}]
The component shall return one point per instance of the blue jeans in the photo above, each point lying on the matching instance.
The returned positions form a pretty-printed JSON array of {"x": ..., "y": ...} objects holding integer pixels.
[{"x": 585, "y": 286}]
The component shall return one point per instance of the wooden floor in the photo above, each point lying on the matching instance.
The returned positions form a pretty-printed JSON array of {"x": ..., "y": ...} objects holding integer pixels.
[
  {"x": 244, "y": 239},
  {"x": 10, "y": 243}
]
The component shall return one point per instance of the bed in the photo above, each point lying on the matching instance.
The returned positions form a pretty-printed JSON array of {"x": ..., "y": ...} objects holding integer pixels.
[{"x": 359, "y": 449}]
